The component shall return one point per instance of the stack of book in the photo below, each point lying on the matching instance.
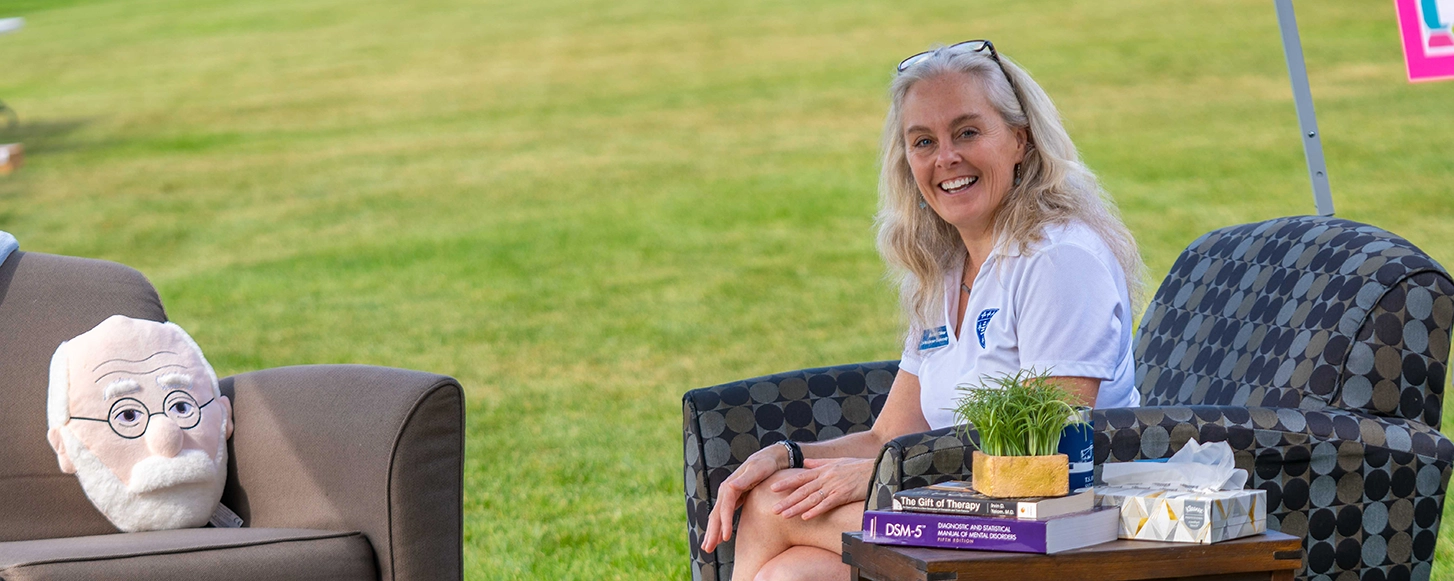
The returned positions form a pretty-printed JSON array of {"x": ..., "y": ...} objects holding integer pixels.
[{"x": 952, "y": 515}]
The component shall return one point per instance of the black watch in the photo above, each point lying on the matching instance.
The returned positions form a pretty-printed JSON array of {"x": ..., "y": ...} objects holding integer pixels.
[{"x": 795, "y": 453}]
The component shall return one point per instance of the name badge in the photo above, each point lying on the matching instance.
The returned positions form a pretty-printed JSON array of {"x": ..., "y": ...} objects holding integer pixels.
[{"x": 934, "y": 338}]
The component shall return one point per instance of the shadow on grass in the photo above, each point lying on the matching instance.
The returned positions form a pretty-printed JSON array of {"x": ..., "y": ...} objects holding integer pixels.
[{"x": 43, "y": 137}]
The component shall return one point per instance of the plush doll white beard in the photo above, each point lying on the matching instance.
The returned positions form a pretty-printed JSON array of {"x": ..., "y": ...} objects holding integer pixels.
[{"x": 191, "y": 482}]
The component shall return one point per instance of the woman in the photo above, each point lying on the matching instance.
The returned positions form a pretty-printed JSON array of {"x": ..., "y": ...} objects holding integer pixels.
[{"x": 1008, "y": 257}]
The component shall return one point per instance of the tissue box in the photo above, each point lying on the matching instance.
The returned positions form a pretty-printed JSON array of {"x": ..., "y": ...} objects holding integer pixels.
[{"x": 1184, "y": 516}]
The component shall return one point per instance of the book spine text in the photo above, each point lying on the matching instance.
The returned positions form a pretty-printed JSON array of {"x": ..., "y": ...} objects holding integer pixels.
[
  {"x": 954, "y": 506},
  {"x": 953, "y": 532}
]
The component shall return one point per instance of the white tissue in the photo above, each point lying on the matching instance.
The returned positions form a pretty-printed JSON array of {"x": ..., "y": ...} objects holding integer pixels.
[{"x": 1200, "y": 467}]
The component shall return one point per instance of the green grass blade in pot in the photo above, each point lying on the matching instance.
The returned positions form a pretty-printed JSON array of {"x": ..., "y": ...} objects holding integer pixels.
[{"x": 1019, "y": 414}]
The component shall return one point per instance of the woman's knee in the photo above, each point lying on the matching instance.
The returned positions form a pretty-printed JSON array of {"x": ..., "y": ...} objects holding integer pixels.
[
  {"x": 803, "y": 564},
  {"x": 758, "y": 508},
  {"x": 762, "y": 499},
  {"x": 776, "y": 570}
]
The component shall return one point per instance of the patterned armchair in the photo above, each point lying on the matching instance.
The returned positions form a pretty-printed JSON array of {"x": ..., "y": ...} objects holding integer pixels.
[
  {"x": 1316, "y": 347},
  {"x": 723, "y": 425}
]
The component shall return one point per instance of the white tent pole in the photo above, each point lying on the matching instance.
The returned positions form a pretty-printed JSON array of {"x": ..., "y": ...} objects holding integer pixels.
[{"x": 1297, "y": 71}]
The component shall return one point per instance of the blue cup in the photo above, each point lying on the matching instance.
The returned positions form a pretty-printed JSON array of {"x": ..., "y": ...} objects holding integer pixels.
[{"x": 1077, "y": 442}]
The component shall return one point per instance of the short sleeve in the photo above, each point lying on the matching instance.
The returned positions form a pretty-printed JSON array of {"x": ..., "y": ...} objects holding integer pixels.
[
  {"x": 1071, "y": 309},
  {"x": 910, "y": 360}
]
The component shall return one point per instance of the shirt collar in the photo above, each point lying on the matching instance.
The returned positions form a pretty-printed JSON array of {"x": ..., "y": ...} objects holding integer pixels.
[{"x": 1003, "y": 247}]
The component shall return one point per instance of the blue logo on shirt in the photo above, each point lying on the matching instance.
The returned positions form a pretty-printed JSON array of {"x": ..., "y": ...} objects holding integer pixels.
[
  {"x": 934, "y": 338},
  {"x": 982, "y": 322}
]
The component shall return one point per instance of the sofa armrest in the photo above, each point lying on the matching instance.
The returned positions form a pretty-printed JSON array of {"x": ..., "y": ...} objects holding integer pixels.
[{"x": 353, "y": 447}]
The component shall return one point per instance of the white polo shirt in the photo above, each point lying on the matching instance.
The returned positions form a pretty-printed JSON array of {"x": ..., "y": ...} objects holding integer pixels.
[{"x": 1063, "y": 307}]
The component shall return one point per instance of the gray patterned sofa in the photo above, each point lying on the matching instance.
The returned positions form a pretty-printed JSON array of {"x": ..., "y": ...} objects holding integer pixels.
[{"x": 1316, "y": 347}]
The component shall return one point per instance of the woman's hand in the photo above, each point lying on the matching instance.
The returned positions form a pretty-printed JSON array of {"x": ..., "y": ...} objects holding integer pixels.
[
  {"x": 823, "y": 485},
  {"x": 760, "y": 465}
]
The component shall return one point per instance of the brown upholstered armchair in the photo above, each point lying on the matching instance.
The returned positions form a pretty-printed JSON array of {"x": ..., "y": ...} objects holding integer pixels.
[{"x": 339, "y": 471}]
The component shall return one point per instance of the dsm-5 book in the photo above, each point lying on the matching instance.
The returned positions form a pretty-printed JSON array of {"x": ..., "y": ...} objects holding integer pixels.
[{"x": 986, "y": 533}]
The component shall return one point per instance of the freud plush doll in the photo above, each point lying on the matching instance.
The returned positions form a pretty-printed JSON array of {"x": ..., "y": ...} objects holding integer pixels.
[{"x": 135, "y": 413}]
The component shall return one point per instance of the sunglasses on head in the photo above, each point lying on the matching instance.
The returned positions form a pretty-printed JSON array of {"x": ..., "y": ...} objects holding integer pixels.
[{"x": 972, "y": 46}]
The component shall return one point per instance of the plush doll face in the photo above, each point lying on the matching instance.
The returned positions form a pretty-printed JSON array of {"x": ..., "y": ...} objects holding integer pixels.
[{"x": 135, "y": 413}]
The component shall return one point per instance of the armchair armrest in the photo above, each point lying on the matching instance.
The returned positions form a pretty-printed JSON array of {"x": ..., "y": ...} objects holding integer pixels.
[
  {"x": 918, "y": 460},
  {"x": 1277, "y": 447},
  {"x": 1126, "y": 434},
  {"x": 1332, "y": 476},
  {"x": 353, "y": 447},
  {"x": 724, "y": 424}
]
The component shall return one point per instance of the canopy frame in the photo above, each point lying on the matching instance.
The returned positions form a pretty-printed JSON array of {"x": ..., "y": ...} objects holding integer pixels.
[{"x": 1302, "y": 96}]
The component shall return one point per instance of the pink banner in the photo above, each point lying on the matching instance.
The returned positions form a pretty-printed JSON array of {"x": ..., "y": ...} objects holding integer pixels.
[{"x": 1427, "y": 27}]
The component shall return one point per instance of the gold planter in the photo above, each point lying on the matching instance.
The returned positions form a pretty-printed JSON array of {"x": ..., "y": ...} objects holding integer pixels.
[{"x": 1021, "y": 476}]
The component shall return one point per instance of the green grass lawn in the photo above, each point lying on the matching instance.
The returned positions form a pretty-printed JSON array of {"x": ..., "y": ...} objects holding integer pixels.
[{"x": 583, "y": 209}]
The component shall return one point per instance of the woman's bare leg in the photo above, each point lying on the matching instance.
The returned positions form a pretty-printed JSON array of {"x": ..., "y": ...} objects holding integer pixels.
[
  {"x": 802, "y": 563},
  {"x": 765, "y": 538}
]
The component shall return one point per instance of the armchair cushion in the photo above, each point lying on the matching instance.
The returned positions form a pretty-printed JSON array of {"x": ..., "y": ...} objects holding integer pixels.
[{"x": 215, "y": 554}]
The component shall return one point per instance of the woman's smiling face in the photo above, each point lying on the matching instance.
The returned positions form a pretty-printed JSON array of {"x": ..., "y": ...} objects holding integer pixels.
[{"x": 962, "y": 153}]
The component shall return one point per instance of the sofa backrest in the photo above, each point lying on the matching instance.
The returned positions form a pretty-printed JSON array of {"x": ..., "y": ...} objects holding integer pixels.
[
  {"x": 44, "y": 300},
  {"x": 1299, "y": 312}
]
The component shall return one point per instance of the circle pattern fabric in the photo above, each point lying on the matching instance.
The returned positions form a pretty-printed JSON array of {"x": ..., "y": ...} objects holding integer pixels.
[
  {"x": 1317, "y": 348},
  {"x": 1302, "y": 313},
  {"x": 725, "y": 424}
]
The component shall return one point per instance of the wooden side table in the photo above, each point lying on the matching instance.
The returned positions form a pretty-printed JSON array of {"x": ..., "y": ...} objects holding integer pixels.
[{"x": 1271, "y": 556}]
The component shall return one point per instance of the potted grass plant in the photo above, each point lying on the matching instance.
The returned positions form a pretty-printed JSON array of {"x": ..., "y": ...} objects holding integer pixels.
[{"x": 1019, "y": 418}]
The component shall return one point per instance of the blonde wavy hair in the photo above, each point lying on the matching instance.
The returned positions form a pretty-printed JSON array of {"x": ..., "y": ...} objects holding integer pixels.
[{"x": 1056, "y": 187}]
